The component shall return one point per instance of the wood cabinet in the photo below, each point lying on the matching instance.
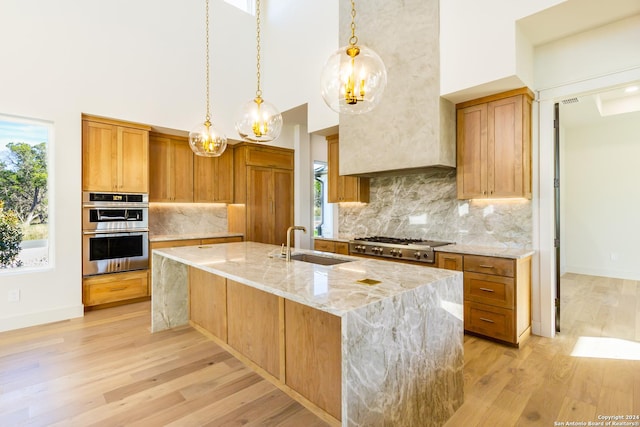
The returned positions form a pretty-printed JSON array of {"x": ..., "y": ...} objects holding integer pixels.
[
  {"x": 497, "y": 295},
  {"x": 494, "y": 146},
  {"x": 208, "y": 302},
  {"x": 254, "y": 325},
  {"x": 343, "y": 188},
  {"x": 213, "y": 178},
  {"x": 263, "y": 184},
  {"x": 116, "y": 287},
  {"x": 332, "y": 246},
  {"x": 171, "y": 169},
  {"x": 115, "y": 155},
  {"x": 313, "y": 348}
]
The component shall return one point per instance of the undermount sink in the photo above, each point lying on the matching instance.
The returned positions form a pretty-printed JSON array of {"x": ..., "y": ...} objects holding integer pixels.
[{"x": 318, "y": 259}]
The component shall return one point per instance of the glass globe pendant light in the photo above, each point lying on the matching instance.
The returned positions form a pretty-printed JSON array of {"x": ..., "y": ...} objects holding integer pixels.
[
  {"x": 354, "y": 77},
  {"x": 205, "y": 140},
  {"x": 258, "y": 120}
]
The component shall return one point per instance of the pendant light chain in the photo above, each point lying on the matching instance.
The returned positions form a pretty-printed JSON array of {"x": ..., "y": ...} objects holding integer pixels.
[
  {"x": 258, "y": 90},
  {"x": 208, "y": 118},
  {"x": 353, "y": 40}
]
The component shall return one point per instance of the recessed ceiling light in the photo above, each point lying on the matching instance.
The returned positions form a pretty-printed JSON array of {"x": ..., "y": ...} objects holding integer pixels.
[{"x": 631, "y": 89}]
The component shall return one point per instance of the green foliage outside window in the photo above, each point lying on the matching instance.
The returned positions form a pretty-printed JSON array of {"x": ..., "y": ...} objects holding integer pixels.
[{"x": 10, "y": 238}]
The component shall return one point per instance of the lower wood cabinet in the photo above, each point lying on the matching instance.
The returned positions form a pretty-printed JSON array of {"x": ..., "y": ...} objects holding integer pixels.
[
  {"x": 116, "y": 287},
  {"x": 254, "y": 325},
  {"x": 497, "y": 294},
  {"x": 208, "y": 302},
  {"x": 333, "y": 246},
  {"x": 313, "y": 355}
]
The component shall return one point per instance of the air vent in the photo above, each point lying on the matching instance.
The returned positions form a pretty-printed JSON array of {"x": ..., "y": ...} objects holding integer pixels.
[{"x": 570, "y": 101}]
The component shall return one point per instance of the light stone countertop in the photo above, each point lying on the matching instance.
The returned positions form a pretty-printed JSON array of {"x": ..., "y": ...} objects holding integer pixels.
[
  {"x": 189, "y": 236},
  {"x": 332, "y": 239},
  {"x": 333, "y": 289},
  {"x": 513, "y": 253}
]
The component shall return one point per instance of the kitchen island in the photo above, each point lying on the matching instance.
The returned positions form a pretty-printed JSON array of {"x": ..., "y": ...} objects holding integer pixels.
[{"x": 364, "y": 342}]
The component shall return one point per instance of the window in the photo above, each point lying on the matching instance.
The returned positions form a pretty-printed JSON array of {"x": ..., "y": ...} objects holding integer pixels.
[
  {"x": 322, "y": 213},
  {"x": 24, "y": 202},
  {"x": 248, "y": 6}
]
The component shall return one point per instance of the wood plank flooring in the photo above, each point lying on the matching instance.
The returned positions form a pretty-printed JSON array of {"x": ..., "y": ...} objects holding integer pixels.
[{"x": 107, "y": 369}]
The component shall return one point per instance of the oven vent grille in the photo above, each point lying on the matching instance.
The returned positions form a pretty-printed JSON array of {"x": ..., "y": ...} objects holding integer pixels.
[{"x": 570, "y": 101}]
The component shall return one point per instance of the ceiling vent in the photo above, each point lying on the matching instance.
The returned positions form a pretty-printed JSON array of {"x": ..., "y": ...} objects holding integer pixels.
[{"x": 569, "y": 101}]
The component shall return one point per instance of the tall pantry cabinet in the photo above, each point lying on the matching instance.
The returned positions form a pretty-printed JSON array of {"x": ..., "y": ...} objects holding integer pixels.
[{"x": 263, "y": 187}]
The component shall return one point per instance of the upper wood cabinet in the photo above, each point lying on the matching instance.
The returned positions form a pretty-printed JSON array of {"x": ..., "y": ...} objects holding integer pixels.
[
  {"x": 494, "y": 146},
  {"x": 115, "y": 155},
  {"x": 343, "y": 188},
  {"x": 171, "y": 169},
  {"x": 263, "y": 186},
  {"x": 213, "y": 178}
]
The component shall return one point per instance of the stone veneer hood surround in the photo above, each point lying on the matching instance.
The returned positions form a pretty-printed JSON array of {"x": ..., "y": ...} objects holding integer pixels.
[{"x": 425, "y": 206}]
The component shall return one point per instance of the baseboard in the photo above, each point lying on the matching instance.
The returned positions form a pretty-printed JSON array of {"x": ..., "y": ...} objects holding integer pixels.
[
  {"x": 601, "y": 272},
  {"x": 41, "y": 317}
]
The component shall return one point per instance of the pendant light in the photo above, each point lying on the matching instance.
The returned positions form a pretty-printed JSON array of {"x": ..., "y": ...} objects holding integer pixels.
[
  {"x": 258, "y": 120},
  {"x": 205, "y": 140},
  {"x": 354, "y": 77}
]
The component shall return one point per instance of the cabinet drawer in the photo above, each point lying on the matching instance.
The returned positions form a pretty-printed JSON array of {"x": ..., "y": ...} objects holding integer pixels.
[
  {"x": 449, "y": 261},
  {"x": 324, "y": 245},
  {"x": 488, "y": 289},
  {"x": 114, "y": 287},
  {"x": 494, "y": 322},
  {"x": 342, "y": 248},
  {"x": 489, "y": 265},
  {"x": 272, "y": 159},
  {"x": 216, "y": 240}
]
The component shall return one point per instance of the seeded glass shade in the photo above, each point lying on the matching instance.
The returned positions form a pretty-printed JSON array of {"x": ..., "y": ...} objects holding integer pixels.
[
  {"x": 353, "y": 84},
  {"x": 259, "y": 121},
  {"x": 207, "y": 141}
]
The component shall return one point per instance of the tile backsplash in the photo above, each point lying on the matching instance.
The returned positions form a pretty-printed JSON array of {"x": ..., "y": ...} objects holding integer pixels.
[
  {"x": 186, "y": 218},
  {"x": 425, "y": 206}
]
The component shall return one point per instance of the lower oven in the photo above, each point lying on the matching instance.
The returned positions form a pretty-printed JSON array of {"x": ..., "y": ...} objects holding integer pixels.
[{"x": 114, "y": 252}]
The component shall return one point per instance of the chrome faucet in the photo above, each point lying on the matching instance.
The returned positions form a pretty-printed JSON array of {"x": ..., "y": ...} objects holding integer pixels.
[{"x": 290, "y": 231}]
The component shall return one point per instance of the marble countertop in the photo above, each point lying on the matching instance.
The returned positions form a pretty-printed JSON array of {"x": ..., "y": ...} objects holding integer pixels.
[
  {"x": 188, "y": 236},
  {"x": 334, "y": 289},
  {"x": 513, "y": 253},
  {"x": 332, "y": 239}
]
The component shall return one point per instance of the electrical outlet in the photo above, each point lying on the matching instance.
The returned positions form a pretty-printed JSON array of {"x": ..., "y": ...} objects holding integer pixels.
[
  {"x": 14, "y": 295},
  {"x": 614, "y": 256}
]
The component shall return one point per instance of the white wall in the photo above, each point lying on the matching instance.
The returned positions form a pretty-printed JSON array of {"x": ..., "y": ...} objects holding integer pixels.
[
  {"x": 479, "y": 46},
  {"x": 602, "y": 198}
]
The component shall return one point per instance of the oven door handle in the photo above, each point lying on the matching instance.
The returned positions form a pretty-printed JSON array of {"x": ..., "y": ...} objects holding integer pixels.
[
  {"x": 126, "y": 231},
  {"x": 116, "y": 205}
]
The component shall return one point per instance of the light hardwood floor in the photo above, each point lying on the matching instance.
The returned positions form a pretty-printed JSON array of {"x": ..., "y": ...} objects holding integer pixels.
[{"x": 106, "y": 369}]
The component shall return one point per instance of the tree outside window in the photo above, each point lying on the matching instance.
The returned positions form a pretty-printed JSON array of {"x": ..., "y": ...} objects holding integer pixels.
[{"x": 24, "y": 207}]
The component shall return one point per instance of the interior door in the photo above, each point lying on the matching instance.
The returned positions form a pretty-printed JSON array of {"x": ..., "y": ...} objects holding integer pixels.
[{"x": 556, "y": 192}]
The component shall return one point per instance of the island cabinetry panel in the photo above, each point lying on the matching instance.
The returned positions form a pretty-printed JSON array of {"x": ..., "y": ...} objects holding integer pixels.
[
  {"x": 213, "y": 178},
  {"x": 208, "y": 302},
  {"x": 253, "y": 318},
  {"x": 171, "y": 169},
  {"x": 332, "y": 246},
  {"x": 115, "y": 155},
  {"x": 263, "y": 185},
  {"x": 494, "y": 146},
  {"x": 116, "y": 287},
  {"x": 343, "y": 188},
  {"x": 313, "y": 356}
]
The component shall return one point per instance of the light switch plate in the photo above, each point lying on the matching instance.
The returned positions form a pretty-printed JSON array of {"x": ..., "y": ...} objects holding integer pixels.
[{"x": 13, "y": 295}]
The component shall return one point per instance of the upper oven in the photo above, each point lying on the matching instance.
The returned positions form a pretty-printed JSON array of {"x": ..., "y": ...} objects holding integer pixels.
[{"x": 115, "y": 211}]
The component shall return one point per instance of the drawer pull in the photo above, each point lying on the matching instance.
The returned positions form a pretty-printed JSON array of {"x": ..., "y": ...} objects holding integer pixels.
[
  {"x": 487, "y": 290},
  {"x": 448, "y": 257},
  {"x": 122, "y": 288},
  {"x": 486, "y": 266},
  {"x": 487, "y": 320}
]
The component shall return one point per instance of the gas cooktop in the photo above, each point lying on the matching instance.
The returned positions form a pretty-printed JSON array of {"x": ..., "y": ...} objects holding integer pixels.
[{"x": 400, "y": 248}]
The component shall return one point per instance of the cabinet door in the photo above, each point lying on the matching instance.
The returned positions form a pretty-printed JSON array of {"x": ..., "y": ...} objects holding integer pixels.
[
  {"x": 283, "y": 204},
  {"x": 260, "y": 204},
  {"x": 449, "y": 261},
  {"x": 472, "y": 152},
  {"x": 505, "y": 168},
  {"x": 99, "y": 143},
  {"x": 213, "y": 178},
  {"x": 182, "y": 171},
  {"x": 159, "y": 169},
  {"x": 208, "y": 301},
  {"x": 133, "y": 160}
]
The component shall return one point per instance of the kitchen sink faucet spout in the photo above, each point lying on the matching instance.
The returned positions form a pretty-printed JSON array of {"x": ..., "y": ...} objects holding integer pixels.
[{"x": 290, "y": 231}]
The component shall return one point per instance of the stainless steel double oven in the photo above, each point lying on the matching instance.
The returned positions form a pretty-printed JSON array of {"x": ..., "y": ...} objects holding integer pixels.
[{"x": 115, "y": 232}]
